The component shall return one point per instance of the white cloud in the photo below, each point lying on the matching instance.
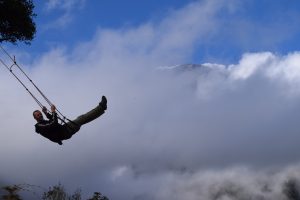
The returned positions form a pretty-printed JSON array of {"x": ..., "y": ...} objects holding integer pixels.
[
  {"x": 52, "y": 4},
  {"x": 67, "y": 7},
  {"x": 119, "y": 172},
  {"x": 231, "y": 184},
  {"x": 249, "y": 64},
  {"x": 62, "y": 21}
]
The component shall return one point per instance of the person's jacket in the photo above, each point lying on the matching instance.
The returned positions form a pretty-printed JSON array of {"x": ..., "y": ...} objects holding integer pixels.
[{"x": 50, "y": 129}]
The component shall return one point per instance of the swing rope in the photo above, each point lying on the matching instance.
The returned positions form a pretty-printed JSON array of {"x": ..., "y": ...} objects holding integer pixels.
[
  {"x": 61, "y": 117},
  {"x": 37, "y": 101}
]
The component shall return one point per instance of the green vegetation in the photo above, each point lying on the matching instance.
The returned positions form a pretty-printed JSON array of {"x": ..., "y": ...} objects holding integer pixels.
[
  {"x": 56, "y": 192},
  {"x": 16, "y": 21},
  {"x": 291, "y": 189}
]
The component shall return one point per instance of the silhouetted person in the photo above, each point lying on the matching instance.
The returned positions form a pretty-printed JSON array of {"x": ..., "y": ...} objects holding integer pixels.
[{"x": 56, "y": 132}]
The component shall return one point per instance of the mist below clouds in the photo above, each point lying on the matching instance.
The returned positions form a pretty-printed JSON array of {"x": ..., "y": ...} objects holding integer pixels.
[{"x": 232, "y": 184}]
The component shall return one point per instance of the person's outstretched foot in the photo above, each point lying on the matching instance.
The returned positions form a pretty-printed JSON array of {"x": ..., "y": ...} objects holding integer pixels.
[{"x": 103, "y": 103}]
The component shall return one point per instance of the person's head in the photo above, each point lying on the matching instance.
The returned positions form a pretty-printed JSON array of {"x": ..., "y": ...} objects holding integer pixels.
[{"x": 37, "y": 115}]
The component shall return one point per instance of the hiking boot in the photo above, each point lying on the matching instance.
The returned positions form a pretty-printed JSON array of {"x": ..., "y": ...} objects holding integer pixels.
[{"x": 103, "y": 103}]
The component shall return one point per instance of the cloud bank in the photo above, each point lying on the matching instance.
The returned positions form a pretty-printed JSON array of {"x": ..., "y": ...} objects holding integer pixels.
[
  {"x": 165, "y": 130},
  {"x": 226, "y": 184}
]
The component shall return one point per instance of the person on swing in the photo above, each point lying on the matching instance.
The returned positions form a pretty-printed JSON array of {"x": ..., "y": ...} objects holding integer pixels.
[{"x": 56, "y": 132}]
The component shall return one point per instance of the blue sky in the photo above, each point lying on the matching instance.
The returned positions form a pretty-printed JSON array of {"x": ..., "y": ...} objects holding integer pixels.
[
  {"x": 88, "y": 16},
  {"x": 267, "y": 26},
  {"x": 170, "y": 131}
]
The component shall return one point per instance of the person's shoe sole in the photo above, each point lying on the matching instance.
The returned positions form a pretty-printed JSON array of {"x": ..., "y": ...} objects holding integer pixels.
[{"x": 103, "y": 103}]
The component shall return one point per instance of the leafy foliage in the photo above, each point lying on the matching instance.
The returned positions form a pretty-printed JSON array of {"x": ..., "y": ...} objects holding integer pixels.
[
  {"x": 56, "y": 192},
  {"x": 291, "y": 189},
  {"x": 16, "y": 21},
  {"x": 98, "y": 196},
  {"x": 12, "y": 193}
]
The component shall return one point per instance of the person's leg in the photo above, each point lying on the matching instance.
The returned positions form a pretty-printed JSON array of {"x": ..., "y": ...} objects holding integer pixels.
[
  {"x": 70, "y": 129},
  {"x": 73, "y": 126},
  {"x": 93, "y": 114}
]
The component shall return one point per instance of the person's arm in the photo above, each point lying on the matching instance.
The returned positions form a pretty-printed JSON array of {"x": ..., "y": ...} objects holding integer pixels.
[
  {"x": 45, "y": 111},
  {"x": 54, "y": 114}
]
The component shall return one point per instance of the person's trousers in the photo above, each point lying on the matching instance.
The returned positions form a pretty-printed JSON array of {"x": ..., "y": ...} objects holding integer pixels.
[{"x": 73, "y": 126}]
